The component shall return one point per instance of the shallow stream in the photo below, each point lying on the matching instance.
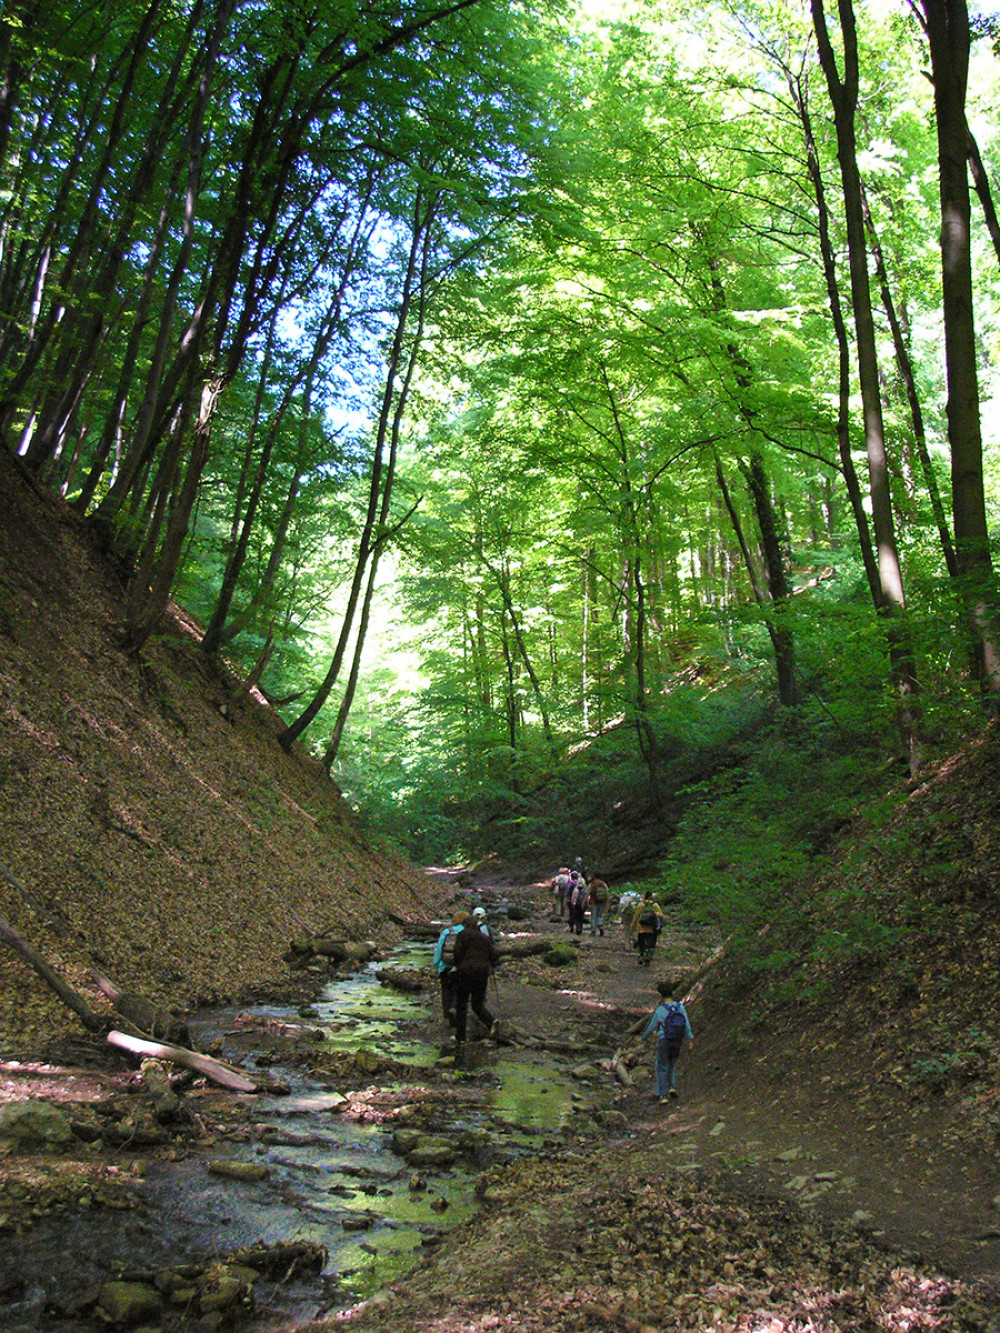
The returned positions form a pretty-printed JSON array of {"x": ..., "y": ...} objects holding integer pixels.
[{"x": 333, "y": 1177}]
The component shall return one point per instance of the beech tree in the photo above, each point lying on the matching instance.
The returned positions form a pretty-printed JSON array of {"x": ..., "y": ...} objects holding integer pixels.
[{"x": 946, "y": 23}]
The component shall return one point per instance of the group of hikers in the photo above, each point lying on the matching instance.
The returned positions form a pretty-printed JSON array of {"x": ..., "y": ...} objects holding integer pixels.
[
  {"x": 465, "y": 956},
  {"x": 575, "y": 893}
]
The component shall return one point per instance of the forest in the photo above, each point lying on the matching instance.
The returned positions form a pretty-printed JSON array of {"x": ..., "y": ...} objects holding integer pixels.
[{"x": 575, "y": 420}]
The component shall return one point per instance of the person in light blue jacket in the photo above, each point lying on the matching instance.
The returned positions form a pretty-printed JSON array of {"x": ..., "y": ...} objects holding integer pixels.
[{"x": 670, "y": 1020}]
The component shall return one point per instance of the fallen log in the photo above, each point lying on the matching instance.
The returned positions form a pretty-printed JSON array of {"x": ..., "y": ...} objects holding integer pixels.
[
  {"x": 224, "y": 1075},
  {"x": 526, "y": 949},
  {"x": 142, "y": 1014},
  {"x": 416, "y": 930},
  {"x": 91, "y": 1021},
  {"x": 410, "y": 982}
]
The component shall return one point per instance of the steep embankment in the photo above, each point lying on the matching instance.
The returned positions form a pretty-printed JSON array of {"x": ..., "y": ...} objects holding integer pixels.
[{"x": 152, "y": 823}]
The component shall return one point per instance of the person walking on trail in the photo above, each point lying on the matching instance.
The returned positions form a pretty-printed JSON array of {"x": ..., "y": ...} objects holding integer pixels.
[
  {"x": 561, "y": 888},
  {"x": 670, "y": 1020},
  {"x": 577, "y": 902},
  {"x": 479, "y": 919},
  {"x": 646, "y": 924},
  {"x": 599, "y": 895},
  {"x": 443, "y": 960},
  {"x": 475, "y": 958}
]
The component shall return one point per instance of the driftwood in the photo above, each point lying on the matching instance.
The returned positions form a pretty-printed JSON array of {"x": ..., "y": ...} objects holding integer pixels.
[
  {"x": 224, "y": 1075},
  {"x": 91, "y": 1021}
]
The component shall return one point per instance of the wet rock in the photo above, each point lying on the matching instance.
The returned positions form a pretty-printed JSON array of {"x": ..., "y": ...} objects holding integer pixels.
[
  {"x": 432, "y": 1152},
  {"x": 166, "y": 1103},
  {"x": 232, "y": 1170},
  {"x": 422, "y": 1149},
  {"x": 128, "y": 1303},
  {"x": 366, "y": 1061},
  {"x": 357, "y": 1222},
  {"x": 417, "y": 1184},
  {"x": 475, "y": 1140},
  {"x": 404, "y": 1140},
  {"x": 586, "y": 1073},
  {"x": 224, "y": 1286},
  {"x": 35, "y": 1126}
]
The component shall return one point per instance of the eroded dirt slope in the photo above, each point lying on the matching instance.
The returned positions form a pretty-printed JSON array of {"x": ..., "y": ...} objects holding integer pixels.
[{"x": 153, "y": 824}]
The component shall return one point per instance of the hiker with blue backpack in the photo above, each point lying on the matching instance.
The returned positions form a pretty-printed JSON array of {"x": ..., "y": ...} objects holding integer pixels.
[{"x": 670, "y": 1019}]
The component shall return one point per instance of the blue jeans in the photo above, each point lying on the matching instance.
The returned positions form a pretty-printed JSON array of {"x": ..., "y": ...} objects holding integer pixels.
[{"x": 666, "y": 1067}]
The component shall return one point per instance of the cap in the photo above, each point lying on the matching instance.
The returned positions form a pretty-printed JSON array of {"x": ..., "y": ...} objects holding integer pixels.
[{"x": 479, "y": 913}]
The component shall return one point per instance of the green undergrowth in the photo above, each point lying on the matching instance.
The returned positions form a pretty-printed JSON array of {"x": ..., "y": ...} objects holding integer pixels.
[{"x": 857, "y": 910}]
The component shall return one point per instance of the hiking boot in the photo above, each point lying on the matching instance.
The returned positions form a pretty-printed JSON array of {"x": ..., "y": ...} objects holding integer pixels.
[
  {"x": 673, "y": 1093},
  {"x": 663, "y": 1100}
]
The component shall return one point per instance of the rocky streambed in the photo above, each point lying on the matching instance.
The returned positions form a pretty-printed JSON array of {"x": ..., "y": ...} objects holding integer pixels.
[{"x": 157, "y": 1200}]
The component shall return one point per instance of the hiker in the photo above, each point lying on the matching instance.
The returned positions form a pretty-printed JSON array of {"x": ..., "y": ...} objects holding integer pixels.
[
  {"x": 479, "y": 919},
  {"x": 444, "y": 961},
  {"x": 577, "y": 896},
  {"x": 627, "y": 903},
  {"x": 646, "y": 924},
  {"x": 475, "y": 958},
  {"x": 670, "y": 1019},
  {"x": 560, "y": 886},
  {"x": 599, "y": 895},
  {"x": 580, "y": 869}
]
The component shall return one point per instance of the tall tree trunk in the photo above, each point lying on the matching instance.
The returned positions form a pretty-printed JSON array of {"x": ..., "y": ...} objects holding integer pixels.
[
  {"x": 901, "y": 348},
  {"x": 844, "y": 97},
  {"x": 780, "y": 593},
  {"x": 947, "y": 26},
  {"x": 800, "y": 97}
]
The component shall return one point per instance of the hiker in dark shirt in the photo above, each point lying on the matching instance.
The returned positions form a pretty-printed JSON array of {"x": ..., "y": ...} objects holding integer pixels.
[{"x": 475, "y": 958}]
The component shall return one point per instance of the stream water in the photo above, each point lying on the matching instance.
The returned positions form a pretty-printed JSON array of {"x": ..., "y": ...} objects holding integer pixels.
[{"x": 332, "y": 1178}]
